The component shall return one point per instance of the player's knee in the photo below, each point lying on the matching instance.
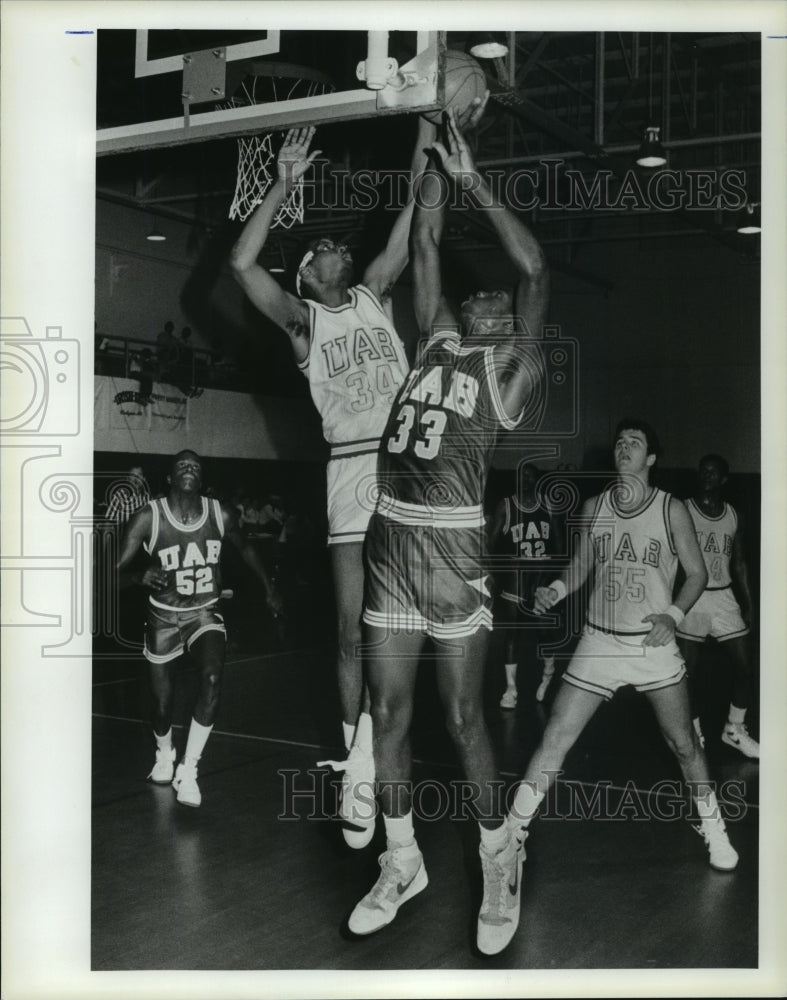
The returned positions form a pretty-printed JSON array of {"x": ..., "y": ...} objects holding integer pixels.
[
  {"x": 389, "y": 716},
  {"x": 462, "y": 721}
]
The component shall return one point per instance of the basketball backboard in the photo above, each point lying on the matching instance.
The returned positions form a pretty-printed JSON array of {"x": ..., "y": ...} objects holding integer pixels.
[{"x": 166, "y": 88}]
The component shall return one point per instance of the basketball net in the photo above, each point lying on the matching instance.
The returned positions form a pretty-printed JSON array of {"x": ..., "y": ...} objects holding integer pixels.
[{"x": 256, "y": 156}]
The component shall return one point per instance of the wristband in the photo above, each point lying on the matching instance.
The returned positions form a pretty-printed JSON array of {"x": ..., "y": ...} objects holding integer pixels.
[
  {"x": 675, "y": 614},
  {"x": 560, "y": 587}
]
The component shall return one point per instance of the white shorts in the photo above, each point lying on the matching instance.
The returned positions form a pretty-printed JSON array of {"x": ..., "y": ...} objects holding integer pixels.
[
  {"x": 352, "y": 497},
  {"x": 716, "y": 614},
  {"x": 606, "y": 661}
]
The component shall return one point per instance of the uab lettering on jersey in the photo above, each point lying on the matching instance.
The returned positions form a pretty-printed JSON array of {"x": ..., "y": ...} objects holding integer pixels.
[
  {"x": 709, "y": 542},
  {"x": 461, "y": 397},
  {"x": 358, "y": 348},
  {"x": 193, "y": 571},
  {"x": 531, "y": 538},
  {"x": 626, "y": 578}
]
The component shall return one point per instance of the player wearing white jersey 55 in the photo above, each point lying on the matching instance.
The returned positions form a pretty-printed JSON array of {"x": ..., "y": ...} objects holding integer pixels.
[{"x": 633, "y": 537}]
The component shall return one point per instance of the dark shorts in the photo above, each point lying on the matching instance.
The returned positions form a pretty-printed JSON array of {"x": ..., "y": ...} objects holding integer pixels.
[
  {"x": 421, "y": 578},
  {"x": 169, "y": 633}
]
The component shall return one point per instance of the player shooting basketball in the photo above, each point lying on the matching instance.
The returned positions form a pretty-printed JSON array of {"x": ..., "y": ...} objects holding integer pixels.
[
  {"x": 345, "y": 344},
  {"x": 425, "y": 546}
]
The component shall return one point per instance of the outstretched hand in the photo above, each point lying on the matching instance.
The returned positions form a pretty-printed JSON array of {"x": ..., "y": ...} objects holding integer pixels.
[
  {"x": 294, "y": 156},
  {"x": 457, "y": 159}
]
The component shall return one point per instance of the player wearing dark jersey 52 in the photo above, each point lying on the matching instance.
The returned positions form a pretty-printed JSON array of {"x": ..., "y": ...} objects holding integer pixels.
[{"x": 183, "y": 534}]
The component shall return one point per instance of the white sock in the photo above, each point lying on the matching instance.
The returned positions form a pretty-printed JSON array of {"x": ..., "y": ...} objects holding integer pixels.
[
  {"x": 164, "y": 742},
  {"x": 198, "y": 737},
  {"x": 399, "y": 830},
  {"x": 493, "y": 841},
  {"x": 510, "y": 676},
  {"x": 707, "y": 806},
  {"x": 549, "y": 667},
  {"x": 736, "y": 716},
  {"x": 349, "y": 735},
  {"x": 363, "y": 732},
  {"x": 525, "y": 805}
]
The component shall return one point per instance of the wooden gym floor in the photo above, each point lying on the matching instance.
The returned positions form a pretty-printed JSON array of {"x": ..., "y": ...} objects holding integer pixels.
[{"x": 230, "y": 886}]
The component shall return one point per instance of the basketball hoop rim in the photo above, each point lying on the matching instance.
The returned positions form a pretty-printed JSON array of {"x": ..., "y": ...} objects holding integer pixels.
[{"x": 288, "y": 71}]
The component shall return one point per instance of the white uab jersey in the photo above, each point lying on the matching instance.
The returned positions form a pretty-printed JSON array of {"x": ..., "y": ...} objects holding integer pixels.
[
  {"x": 355, "y": 365},
  {"x": 636, "y": 563},
  {"x": 715, "y": 535}
]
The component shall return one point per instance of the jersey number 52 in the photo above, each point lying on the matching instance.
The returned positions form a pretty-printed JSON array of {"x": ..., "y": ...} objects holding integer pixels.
[{"x": 194, "y": 581}]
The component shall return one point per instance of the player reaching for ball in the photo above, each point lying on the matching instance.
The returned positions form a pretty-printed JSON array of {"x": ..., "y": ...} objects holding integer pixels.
[
  {"x": 183, "y": 534},
  {"x": 345, "y": 343},
  {"x": 426, "y": 546}
]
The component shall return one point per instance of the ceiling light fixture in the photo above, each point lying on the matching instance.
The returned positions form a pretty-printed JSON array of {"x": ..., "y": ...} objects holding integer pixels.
[
  {"x": 651, "y": 152},
  {"x": 155, "y": 236},
  {"x": 486, "y": 45}
]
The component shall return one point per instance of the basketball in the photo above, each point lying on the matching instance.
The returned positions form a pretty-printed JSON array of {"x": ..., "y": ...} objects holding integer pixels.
[{"x": 464, "y": 81}]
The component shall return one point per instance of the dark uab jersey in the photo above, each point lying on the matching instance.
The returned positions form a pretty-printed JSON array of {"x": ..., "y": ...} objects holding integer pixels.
[
  {"x": 188, "y": 553},
  {"x": 525, "y": 537},
  {"x": 438, "y": 442},
  {"x": 527, "y": 531}
]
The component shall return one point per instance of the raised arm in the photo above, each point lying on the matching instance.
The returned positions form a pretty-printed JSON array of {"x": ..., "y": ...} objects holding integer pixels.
[
  {"x": 428, "y": 217},
  {"x": 517, "y": 359},
  {"x": 385, "y": 269},
  {"x": 383, "y": 272},
  {"x": 286, "y": 310},
  {"x": 696, "y": 576}
]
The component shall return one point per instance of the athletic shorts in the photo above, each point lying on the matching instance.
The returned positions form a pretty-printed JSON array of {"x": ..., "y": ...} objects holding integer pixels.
[
  {"x": 352, "y": 496},
  {"x": 716, "y": 614},
  {"x": 606, "y": 661},
  {"x": 421, "y": 578},
  {"x": 168, "y": 633}
]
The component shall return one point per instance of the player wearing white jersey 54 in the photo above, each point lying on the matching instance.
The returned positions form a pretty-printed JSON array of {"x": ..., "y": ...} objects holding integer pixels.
[{"x": 719, "y": 614}]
